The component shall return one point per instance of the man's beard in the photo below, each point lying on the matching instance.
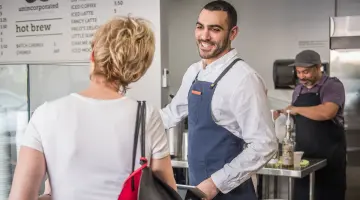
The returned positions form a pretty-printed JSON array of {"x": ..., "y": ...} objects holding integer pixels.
[
  {"x": 220, "y": 48},
  {"x": 308, "y": 82}
]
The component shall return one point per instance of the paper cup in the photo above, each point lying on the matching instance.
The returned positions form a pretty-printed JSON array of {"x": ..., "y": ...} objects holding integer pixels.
[{"x": 297, "y": 158}]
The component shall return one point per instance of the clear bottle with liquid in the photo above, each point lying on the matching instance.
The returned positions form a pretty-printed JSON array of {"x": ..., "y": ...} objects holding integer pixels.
[
  {"x": 274, "y": 160},
  {"x": 288, "y": 146}
]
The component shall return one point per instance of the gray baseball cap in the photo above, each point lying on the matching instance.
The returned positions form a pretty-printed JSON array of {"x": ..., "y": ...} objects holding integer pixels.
[{"x": 307, "y": 58}]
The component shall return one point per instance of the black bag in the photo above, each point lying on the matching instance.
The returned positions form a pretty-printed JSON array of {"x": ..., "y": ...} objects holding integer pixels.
[{"x": 150, "y": 187}]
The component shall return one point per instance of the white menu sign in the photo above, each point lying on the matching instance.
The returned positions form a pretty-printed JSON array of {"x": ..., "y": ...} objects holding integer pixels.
[{"x": 61, "y": 30}]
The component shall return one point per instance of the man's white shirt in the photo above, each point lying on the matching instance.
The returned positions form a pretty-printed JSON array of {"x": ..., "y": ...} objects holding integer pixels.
[{"x": 240, "y": 105}]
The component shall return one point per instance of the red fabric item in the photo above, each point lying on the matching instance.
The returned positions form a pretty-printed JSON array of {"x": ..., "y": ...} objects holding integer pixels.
[{"x": 130, "y": 190}]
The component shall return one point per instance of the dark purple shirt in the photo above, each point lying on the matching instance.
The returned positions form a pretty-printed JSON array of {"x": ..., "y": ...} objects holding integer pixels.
[{"x": 332, "y": 90}]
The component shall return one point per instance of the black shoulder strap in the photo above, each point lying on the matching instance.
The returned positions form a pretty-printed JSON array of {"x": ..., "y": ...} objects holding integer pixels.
[
  {"x": 136, "y": 135},
  {"x": 139, "y": 126},
  {"x": 143, "y": 128},
  {"x": 139, "y": 129},
  {"x": 224, "y": 72},
  {"x": 196, "y": 77},
  {"x": 320, "y": 87}
]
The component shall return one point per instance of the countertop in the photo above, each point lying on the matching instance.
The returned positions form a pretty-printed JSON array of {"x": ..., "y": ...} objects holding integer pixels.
[{"x": 314, "y": 165}]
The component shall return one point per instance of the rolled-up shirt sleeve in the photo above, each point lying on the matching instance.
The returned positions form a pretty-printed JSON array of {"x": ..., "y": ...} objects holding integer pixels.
[
  {"x": 334, "y": 92},
  {"x": 249, "y": 106}
]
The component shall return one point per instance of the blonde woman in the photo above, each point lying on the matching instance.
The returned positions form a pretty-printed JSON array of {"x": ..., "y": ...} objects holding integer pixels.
[{"x": 84, "y": 141}]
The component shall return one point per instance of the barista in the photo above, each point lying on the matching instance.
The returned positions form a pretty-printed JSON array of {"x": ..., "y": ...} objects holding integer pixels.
[
  {"x": 230, "y": 131},
  {"x": 317, "y": 107}
]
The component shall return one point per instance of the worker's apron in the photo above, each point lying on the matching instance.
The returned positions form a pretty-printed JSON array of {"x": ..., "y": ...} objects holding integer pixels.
[
  {"x": 321, "y": 139},
  {"x": 211, "y": 146}
]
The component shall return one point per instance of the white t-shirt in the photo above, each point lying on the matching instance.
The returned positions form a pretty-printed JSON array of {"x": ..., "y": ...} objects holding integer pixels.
[{"x": 88, "y": 144}]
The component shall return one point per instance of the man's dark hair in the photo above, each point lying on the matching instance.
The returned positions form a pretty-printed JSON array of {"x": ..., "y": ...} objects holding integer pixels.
[{"x": 226, "y": 7}]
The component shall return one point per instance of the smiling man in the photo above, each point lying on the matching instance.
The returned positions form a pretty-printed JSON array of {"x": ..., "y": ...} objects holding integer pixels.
[
  {"x": 318, "y": 106},
  {"x": 231, "y": 134}
]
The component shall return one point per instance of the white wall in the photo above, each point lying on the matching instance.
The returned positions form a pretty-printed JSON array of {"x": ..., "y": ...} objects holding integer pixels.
[
  {"x": 183, "y": 52},
  {"x": 165, "y": 46},
  {"x": 348, "y": 7}
]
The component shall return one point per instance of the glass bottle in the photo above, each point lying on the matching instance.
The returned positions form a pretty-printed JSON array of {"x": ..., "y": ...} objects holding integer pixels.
[
  {"x": 274, "y": 160},
  {"x": 288, "y": 146}
]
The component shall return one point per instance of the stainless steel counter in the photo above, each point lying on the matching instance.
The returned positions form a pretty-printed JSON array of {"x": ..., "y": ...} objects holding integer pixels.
[
  {"x": 178, "y": 163},
  {"x": 314, "y": 165}
]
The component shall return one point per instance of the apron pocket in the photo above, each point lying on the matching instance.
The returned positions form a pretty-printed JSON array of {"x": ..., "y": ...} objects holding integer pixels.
[{"x": 194, "y": 104}]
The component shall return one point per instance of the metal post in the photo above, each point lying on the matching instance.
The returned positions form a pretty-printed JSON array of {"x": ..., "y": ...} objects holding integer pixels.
[
  {"x": 28, "y": 90},
  {"x": 267, "y": 185},
  {"x": 291, "y": 188},
  {"x": 260, "y": 187},
  {"x": 312, "y": 186},
  {"x": 275, "y": 187}
]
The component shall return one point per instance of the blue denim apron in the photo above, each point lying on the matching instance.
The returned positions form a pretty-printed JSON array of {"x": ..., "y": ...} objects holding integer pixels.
[{"x": 211, "y": 146}]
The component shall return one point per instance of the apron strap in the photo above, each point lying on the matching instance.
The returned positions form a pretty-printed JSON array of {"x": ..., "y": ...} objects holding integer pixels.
[
  {"x": 318, "y": 93},
  {"x": 195, "y": 79},
  {"x": 224, "y": 72},
  {"x": 320, "y": 87},
  {"x": 221, "y": 75}
]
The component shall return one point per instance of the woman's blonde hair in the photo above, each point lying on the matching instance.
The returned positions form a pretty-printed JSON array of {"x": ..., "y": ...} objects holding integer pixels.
[{"x": 123, "y": 50}]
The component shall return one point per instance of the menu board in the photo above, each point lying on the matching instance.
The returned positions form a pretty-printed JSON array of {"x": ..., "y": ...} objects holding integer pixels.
[{"x": 44, "y": 31}]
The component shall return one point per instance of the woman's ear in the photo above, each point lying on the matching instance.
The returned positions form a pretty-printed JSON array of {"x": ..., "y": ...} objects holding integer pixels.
[
  {"x": 92, "y": 63},
  {"x": 92, "y": 59}
]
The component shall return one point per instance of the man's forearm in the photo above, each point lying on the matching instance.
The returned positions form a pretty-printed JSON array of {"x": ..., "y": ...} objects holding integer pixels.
[
  {"x": 318, "y": 113},
  {"x": 243, "y": 166}
]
